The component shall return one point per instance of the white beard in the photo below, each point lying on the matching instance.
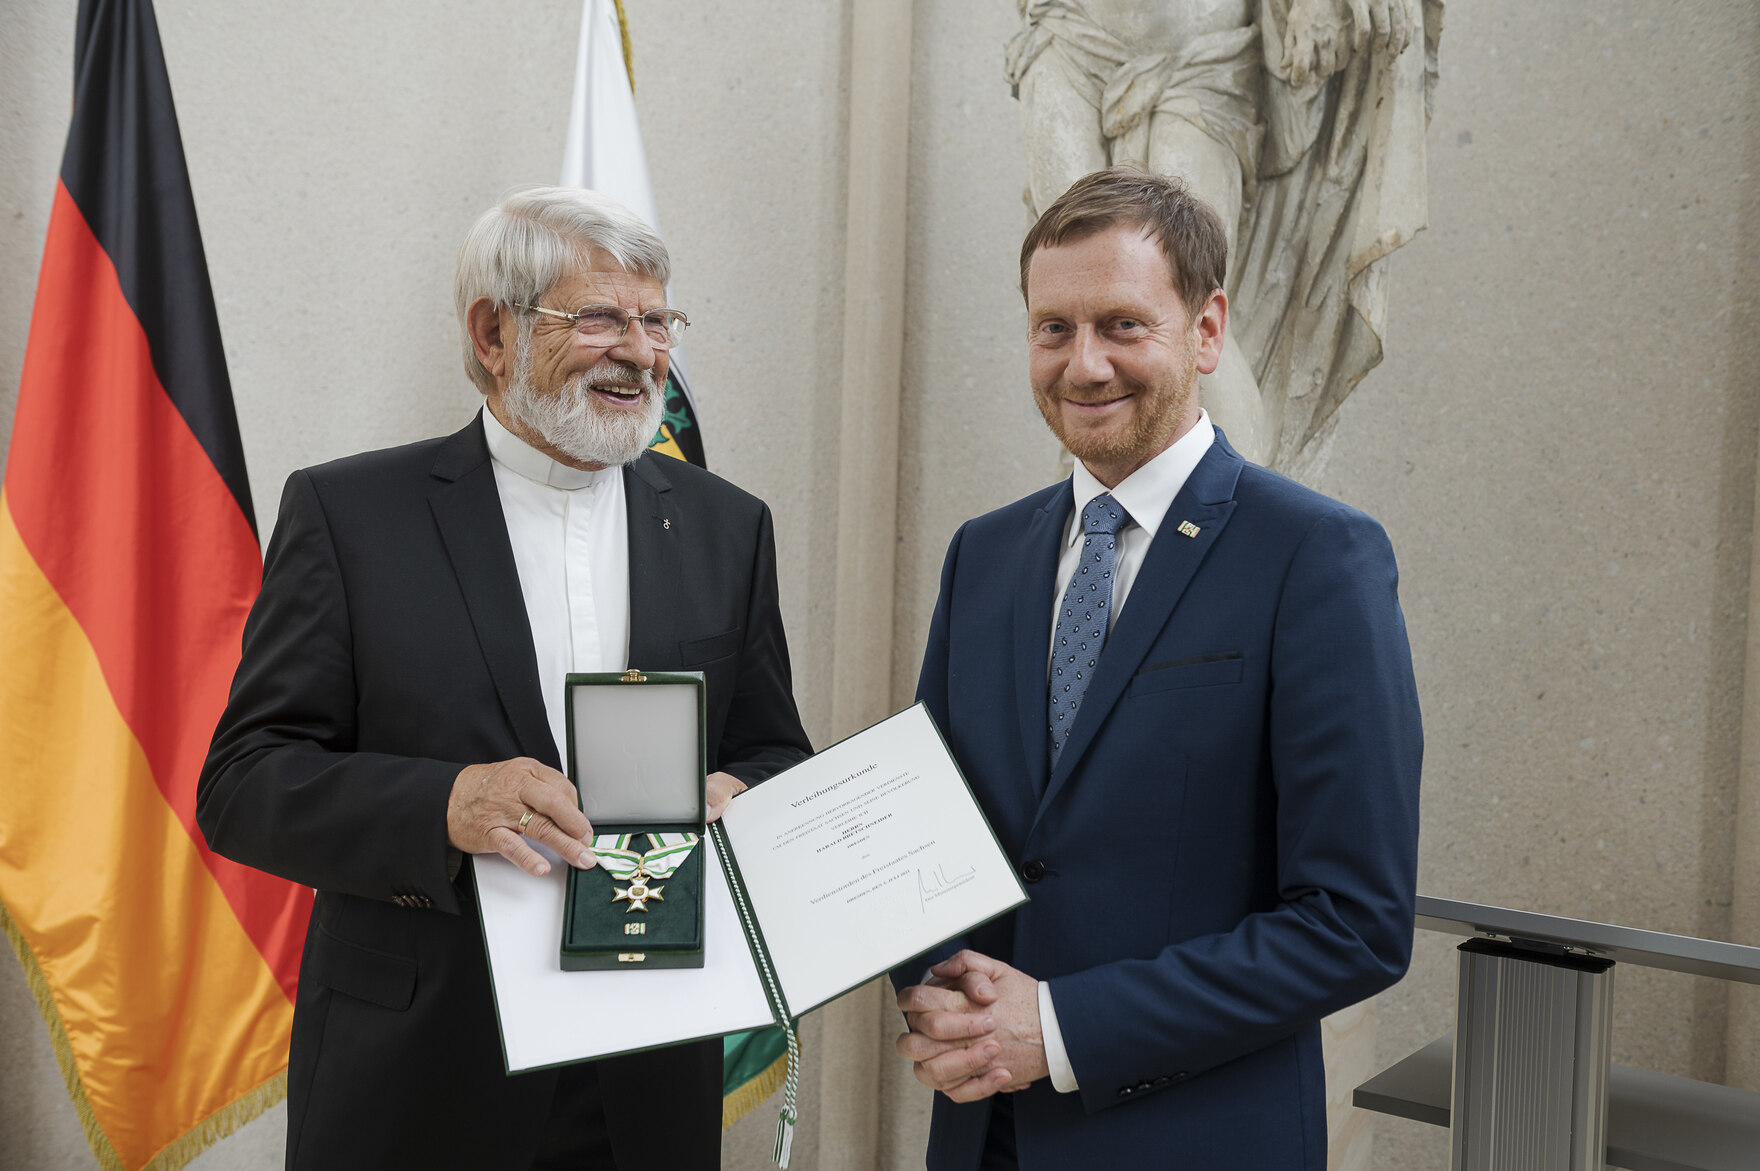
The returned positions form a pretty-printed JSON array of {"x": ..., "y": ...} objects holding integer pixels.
[{"x": 574, "y": 423}]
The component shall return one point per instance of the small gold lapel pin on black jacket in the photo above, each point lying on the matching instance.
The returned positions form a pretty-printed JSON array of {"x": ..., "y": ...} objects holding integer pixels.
[
  {"x": 1187, "y": 528},
  {"x": 666, "y": 524}
]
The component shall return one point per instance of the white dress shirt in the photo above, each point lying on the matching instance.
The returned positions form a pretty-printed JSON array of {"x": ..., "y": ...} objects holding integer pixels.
[
  {"x": 1146, "y": 494},
  {"x": 570, "y": 537}
]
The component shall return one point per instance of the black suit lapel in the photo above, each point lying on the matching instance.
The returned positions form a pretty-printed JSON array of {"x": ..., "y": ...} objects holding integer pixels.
[
  {"x": 1206, "y": 502},
  {"x": 467, "y": 508},
  {"x": 656, "y": 569}
]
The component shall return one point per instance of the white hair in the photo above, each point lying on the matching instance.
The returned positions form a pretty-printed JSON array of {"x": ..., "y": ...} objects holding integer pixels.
[{"x": 522, "y": 247}]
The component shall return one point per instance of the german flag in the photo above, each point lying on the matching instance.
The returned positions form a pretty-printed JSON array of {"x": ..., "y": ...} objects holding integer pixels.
[{"x": 128, "y": 561}]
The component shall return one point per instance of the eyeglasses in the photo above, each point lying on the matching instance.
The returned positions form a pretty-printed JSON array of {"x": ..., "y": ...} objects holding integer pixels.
[{"x": 606, "y": 325}]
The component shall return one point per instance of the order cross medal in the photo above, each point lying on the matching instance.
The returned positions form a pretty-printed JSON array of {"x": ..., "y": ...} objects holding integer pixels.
[
  {"x": 621, "y": 860},
  {"x": 638, "y": 892}
]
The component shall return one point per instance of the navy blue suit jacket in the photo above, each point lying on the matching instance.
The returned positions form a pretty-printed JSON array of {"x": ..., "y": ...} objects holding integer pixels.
[{"x": 1226, "y": 851}]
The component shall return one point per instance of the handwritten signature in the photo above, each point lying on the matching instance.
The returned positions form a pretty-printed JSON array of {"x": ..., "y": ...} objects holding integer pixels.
[{"x": 935, "y": 882}]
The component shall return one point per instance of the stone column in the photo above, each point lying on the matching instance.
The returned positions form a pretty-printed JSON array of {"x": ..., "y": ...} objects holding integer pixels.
[
  {"x": 1347, "y": 1039},
  {"x": 1742, "y": 1048},
  {"x": 849, "y": 1064}
]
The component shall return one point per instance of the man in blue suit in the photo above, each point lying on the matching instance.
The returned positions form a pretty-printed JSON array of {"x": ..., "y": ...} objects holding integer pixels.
[{"x": 1181, "y": 688}]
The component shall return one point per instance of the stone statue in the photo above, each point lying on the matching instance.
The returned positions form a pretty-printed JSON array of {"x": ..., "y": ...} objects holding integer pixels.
[{"x": 1301, "y": 122}]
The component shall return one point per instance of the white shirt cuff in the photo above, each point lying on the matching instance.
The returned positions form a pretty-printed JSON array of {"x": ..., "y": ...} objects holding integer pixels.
[{"x": 1063, "y": 1078}]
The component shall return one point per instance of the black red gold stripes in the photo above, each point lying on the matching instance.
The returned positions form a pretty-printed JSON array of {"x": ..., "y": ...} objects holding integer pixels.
[{"x": 128, "y": 562}]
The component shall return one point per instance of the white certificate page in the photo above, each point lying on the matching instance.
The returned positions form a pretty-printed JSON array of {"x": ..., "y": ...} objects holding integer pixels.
[
  {"x": 549, "y": 1016},
  {"x": 864, "y": 856}
]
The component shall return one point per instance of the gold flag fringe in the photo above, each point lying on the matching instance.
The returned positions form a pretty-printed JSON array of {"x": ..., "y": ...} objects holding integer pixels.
[
  {"x": 181, "y": 1150},
  {"x": 88, "y": 1121},
  {"x": 750, "y": 1096},
  {"x": 216, "y": 1126},
  {"x": 629, "y": 58}
]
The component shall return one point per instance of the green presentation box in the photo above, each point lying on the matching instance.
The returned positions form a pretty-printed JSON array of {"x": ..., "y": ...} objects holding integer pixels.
[{"x": 637, "y": 757}]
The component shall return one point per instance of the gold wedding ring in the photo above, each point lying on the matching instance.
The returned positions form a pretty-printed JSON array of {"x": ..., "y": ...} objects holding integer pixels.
[{"x": 527, "y": 820}]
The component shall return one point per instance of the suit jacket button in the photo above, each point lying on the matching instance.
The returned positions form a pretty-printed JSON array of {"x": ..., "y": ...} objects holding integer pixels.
[
  {"x": 1181, "y": 1076},
  {"x": 1141, "y": 1086},
  {"x": 1124, "y": 1091},
  {"x": 1163, "y": 1081},
  {"x": 1033, "y": 870}
]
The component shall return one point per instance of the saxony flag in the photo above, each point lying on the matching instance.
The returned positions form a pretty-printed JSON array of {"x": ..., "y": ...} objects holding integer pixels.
[
  {"x": 128, "y": 561},
  {"x": 604, "y": 152}
]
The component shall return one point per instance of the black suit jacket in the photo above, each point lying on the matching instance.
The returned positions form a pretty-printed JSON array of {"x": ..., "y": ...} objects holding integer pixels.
[{"x": 388, "y": 649}]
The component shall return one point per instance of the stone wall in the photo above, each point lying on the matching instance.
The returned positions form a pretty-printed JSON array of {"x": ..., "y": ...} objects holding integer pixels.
[{"x": 1562, "y": 445}]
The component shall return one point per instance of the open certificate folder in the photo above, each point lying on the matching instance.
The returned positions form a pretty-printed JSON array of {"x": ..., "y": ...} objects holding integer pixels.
[{"x": 831, "y": 873}]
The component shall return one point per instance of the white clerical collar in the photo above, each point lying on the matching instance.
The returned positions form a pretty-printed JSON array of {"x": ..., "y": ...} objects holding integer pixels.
[
  {"x": 516, "y": 455},
  {"x": 1148, "y": 492}
]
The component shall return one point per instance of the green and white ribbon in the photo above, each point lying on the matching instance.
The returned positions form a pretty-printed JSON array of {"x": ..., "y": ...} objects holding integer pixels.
[
  {"x": 621, "y": 860},
  {"x": 668, "y": 853}
]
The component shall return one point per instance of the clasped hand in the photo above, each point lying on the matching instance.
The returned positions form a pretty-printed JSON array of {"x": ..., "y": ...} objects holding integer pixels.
[
  {"x": 974, "y": 1028},
  {"x": 488, "y": 802}
]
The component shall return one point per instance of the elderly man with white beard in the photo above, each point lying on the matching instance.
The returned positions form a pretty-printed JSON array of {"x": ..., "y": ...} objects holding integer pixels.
[{"x": 399, "y": 703}]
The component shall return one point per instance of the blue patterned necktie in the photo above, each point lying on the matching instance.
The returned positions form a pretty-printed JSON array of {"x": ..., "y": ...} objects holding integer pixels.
[{"x": 1082, "y": 617}]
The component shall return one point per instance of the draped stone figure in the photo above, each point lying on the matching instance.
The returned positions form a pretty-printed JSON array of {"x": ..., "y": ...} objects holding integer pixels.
[{"x": 1301, "y": 122}]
